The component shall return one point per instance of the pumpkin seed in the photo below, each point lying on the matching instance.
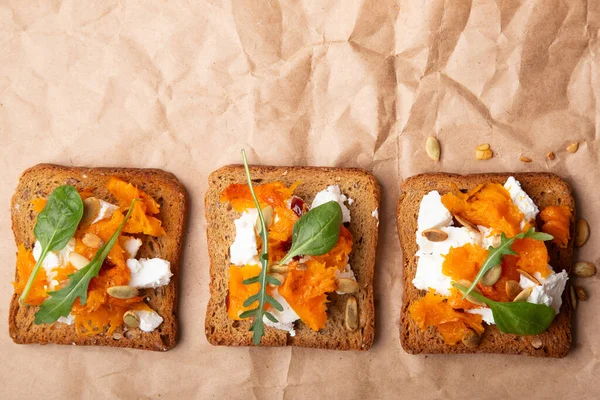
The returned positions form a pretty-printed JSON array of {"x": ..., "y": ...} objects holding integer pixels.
[
  {"x": 466, "y": 223},
  {"x": 267, "y": 213},
  {"x": 277, "y": 276},
  {"x": 467, "y": 283},
  {"x": 584, "y": 269},
  {"x": 91, "y": 209},
  {"x": 483, "y": 154},
  {"x": 536, "y": 343},
  {"x": 583, "y": 232},
  {"x": 512, "y": 289},
  {"x": 551, "y": 155},
  {"x": 92, "y": 240},
  {"x": 346, "y": 285},
  {"x": 122, "y": 292},
  {"x": 573, "y": 147},
  {"x": 279, "y": 268},
  {"x": 523, "y": 296},
  {"x": 580, "y": 293},
  {"x": 432, "y": 147},
  {"x": 131, "y": 319},
  {"x": 351, "y": 314},
  {"x": 483, "y": 147},
  {"x": 77, "y": 260},
  {"x": 528, "y": 276},
  {"x": 525, "y": 159},
  {"x": 470, "y": 338},
  {"x": 435, "y": 235},
  {"x": 491, "y": 276},
  {"x": 573, "y": 296}
]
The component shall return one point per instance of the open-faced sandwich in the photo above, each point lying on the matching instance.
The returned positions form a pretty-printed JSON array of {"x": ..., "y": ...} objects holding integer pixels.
[
  {"x": 98, "y": 256},
  {"x": 486, "y": 261},
  {"x": 312, "y": 284}
]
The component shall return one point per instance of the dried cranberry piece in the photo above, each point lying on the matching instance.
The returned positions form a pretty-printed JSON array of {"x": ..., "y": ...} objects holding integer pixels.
[{"x": 297, "y": 205}]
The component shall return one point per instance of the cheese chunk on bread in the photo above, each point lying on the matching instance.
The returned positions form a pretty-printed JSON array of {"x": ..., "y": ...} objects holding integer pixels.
[
  {"x": 38, "y": 182},
  {"x": 546, "y": 190},
  {"x": 357, "y": 184}
]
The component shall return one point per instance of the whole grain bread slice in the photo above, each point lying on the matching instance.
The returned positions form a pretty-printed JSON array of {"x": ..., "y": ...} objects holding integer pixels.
[
  {"x": 40, "y": 181},
  {"x": 545, "y": 189},
  {"x": 354, "y": 183}
]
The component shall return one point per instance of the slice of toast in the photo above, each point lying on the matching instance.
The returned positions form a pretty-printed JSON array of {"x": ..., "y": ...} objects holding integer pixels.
[
  {"x": 545, "y": 189},
  {"x": 40, "y": 181},
  {"x": 354, "y": 183}
]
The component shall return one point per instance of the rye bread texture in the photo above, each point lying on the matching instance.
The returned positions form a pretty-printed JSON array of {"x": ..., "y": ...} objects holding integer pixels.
[
  {"x": 40, "y": 181},
  {"x": 545, "y": 189},
  {"x": 354, "y": 183}
]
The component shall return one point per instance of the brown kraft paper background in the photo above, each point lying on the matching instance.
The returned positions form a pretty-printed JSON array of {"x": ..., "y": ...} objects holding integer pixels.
[{"x": 184, "y": 85}]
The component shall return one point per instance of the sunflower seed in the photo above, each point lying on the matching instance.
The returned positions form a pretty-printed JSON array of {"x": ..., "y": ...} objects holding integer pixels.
[
  {"x": 525, "y": 159},
  {"x": 77, "y": 260}
]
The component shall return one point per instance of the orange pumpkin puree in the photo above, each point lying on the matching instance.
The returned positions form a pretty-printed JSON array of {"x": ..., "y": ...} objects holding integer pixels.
[
  {"x": 434, "y": 310},
  {"x": 556, "y": 223},
  {"x": 25, "y": 263},
  {"x": 304, "y": 289},
  {"x": 489, "y": 205}
]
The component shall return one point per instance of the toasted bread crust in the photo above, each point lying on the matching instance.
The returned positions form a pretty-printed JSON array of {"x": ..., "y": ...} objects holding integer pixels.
[
  {"x": 39, "y": 181},
  {"x": 545, "y": 189},
  {"x": 355, "y": 183}
]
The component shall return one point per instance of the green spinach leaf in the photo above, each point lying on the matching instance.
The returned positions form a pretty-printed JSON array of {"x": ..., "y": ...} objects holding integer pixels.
[
  {"x": 316, "y": 232},
  {"x": 517, "y": 318},
  {"x": 55, "y": 226},
  {"x": 496, "y": 253},
  {"x": 61, "y": 301}
]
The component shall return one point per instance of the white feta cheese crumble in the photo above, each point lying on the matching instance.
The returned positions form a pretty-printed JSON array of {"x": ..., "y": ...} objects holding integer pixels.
[
  {"x": 149, "y": 320},
  {"x": 132, "y": 245},
  {"x": 244, "y": 249},
  {"x": 106, "y": 211},
  {"x": 487, "y": 237},
  {"x": 521, "y": 200},
  {"x": 285, "y": 318},
  {"x": 486, "y": 314},
  {"x": 375, "y": 214},
  {"x": 54, "y": 259},
  {"x": 69, "y": 319},
  {"x": 333, "y": 193},
  {"x": 549, "y": 292},
  {"x": 149, "y": 272},
  {"x": 432, "y": 213}
]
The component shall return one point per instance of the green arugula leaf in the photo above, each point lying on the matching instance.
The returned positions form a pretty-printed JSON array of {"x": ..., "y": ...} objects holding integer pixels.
[
  {"x": 496, "y": 253},
  {"x": 517, "y": 318},
  {"x": 258, "y": 326},
  {"x": 316, "y": 232},
  {"x": 61, "y": 301},
  {"x": 55, "y": 226}
]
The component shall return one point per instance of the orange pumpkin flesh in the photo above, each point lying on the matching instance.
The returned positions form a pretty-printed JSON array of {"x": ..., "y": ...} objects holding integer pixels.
[
  {"x": 557, "y": 221},
  {"x": 434, "y": 310},
  {"x": 274, "y": 194},
  {"x": 25, "y": 263},
  {"x": 238, "y": 292}
]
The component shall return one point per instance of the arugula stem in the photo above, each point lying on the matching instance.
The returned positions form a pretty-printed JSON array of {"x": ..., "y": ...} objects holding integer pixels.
[{"x": 32, "y": 276}]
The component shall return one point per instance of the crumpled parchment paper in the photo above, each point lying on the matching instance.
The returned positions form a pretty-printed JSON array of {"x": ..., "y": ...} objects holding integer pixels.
[{"x": 183, "y": 86}]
